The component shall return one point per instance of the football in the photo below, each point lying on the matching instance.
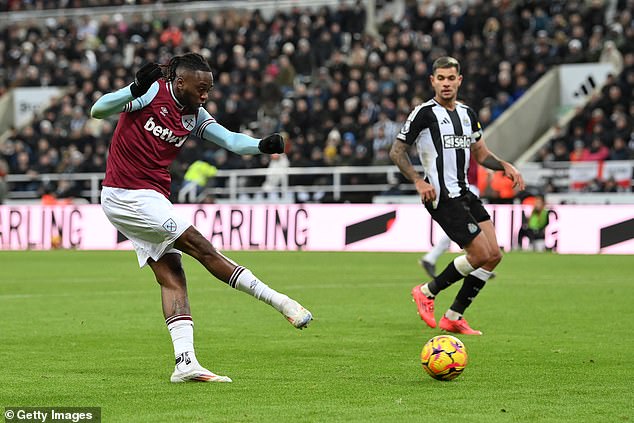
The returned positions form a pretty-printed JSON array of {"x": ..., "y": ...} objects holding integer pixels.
[{"x": 444, "y": 357}]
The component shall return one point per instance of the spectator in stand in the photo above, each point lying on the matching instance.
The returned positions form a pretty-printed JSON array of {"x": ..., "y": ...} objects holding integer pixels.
[
  {"x": 620, "y": 151},
  {"x": 611, "y": 54},
  {"x": 4, "y": 189},
  {"x": 545, "y": 155},
  {"x": 495, "y": 187},
  {"x": 611, "y": 185},
  {"x": 596, "y": 152},
  {"x": 560, "y": 152},
  {"x": 172, "y": 36},
  {"x": 275, "y": 177},
  {"x": 622, "y": 127},
  {"x": 579, "y": 152}
]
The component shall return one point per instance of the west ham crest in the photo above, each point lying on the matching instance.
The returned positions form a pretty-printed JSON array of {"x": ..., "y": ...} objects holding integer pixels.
[{"x": 189, "y": 121}]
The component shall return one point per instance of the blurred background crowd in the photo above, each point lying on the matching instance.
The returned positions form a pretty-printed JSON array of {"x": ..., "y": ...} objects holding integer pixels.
[{"x": 338, "y": 92}]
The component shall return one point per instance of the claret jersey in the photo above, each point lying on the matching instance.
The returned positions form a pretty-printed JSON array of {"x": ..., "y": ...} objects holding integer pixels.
[{"x": 148, "y": 137}]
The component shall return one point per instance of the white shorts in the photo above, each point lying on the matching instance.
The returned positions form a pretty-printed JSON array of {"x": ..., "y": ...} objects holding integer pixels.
[{"x": 146, "y": 218}]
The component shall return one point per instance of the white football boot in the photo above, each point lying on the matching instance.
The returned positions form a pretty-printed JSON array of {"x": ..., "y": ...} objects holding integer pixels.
[
  {"x": 297, "y": 315},
  {"x": 187, "y": 370}
]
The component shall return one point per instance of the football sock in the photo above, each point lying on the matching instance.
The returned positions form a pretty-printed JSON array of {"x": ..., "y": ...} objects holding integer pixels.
[
  {"x": 452, "y": 315},
  {"x": 425, "y": 290},
  {"x": 454, "y": 271},
  {"x": 181, "y": 328},
  {"x": 243, "y": 280},
  {"x": 441, "y": 246},
  {"x": 470, "y": 288}
]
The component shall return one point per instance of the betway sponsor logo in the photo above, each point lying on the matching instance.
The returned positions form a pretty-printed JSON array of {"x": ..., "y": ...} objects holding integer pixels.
[{"x": 164, "y": 134}]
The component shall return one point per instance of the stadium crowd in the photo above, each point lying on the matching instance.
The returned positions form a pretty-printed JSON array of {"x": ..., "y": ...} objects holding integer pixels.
[
  {"x": 338, "y": 92},
  {"x": 30, "y": 5}
]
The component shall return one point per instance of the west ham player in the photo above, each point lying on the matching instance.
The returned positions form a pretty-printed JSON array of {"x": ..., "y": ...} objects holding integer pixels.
[
  {"x": 447, "y": 132},
  {"x": 158, "y": 112}
]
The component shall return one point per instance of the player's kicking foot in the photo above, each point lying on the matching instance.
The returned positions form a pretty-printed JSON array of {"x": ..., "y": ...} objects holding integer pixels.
[
  {"x": 430, "y": 268},
  {"x": 457, "y": 326},
  {"x": 188, "y": 371},
  {"x": 425, "y": 306},
  {"x": 297, "y": 315}
]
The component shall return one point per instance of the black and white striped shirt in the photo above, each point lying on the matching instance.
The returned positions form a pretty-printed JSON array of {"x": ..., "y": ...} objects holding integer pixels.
[{"x": 443, "y": 140}]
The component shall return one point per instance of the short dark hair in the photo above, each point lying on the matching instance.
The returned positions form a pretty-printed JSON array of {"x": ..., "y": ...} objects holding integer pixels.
[
  {"x": 445, "y": 62},
  {"x": 190, "y": 61}
]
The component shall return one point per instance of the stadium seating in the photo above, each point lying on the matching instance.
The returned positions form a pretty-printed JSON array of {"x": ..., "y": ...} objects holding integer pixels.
[{"x": 337, "y": 90}]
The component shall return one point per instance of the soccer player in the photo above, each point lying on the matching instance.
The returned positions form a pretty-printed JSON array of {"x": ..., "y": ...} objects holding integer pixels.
[
  {"x": 447, "y": 132},
  {"x": 159, "y": 110},
  {"x": 428, "y": 261}
]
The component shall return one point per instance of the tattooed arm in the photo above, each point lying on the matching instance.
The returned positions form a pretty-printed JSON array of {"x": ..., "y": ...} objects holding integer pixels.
[{"x": 398, "y": 154}]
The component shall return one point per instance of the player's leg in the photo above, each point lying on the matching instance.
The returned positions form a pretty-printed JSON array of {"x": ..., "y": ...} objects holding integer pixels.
[
  {"x": 428, "y": 261},
  {"x": 424, "y": 294},
  {"x": 539, "y": 244},
  {"x": 469, "y": 224},
  {"x": 521, "y": 234},
  {"x": 454, "y": 218},
  {"x": 196, "y": 245},
  {"x": 485, "y": 253},
  {"x": 484, "y": 250},
  {"x": 170, "y": 275}
]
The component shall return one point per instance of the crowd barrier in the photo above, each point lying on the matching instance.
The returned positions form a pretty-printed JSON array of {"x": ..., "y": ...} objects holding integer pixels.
[{"x": 573, "y": 229}]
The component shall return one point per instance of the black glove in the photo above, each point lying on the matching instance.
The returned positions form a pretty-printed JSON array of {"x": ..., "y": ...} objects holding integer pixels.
[
  {"x": 274, "y": 143},
  {"x": 144, "y": 78}
]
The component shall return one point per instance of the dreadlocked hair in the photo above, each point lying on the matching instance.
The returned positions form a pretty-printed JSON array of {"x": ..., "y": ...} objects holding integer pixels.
[{"x": 190, "y": 61}]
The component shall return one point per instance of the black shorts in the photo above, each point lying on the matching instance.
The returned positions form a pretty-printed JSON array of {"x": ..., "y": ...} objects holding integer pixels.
[{"x": 459, "y": 217}]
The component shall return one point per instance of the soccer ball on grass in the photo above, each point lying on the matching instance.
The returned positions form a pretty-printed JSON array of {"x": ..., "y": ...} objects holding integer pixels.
[{"x": 444, "y": 357}]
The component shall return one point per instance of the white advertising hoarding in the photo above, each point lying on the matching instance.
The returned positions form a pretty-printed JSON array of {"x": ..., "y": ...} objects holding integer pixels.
[
  {"x": 29, "y": 100},
  {"x": 579, "y": 80},
  {"x": 315, "y": 227}
]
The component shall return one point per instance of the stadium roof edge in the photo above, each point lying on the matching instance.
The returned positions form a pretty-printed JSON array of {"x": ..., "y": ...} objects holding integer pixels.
[{"x": 170, "y": 8}]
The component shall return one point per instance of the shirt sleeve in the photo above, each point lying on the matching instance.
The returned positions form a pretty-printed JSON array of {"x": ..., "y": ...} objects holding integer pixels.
[
  {"x": 208, "y": 129},
  {"x": 122, "y": 101},
  {"x": 476, "y": 128},
  {"x": 415, "y": 123}
]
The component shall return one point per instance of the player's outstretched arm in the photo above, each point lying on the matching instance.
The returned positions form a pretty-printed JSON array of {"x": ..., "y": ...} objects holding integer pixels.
[
  {"x": 111, "y": 103},
  {"x": 210, "y": 130},
  {"x": 142, "y": 91}
]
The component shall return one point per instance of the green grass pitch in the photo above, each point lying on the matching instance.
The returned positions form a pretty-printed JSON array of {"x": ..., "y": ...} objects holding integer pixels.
[{"x": 86, "y": 329}]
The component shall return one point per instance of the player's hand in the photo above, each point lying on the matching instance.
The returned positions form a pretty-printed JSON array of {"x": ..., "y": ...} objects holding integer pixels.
[
  {"x": 514, "y": 175},
  {"x": 425, "y": 190},
  {"x": 272, "y": 144},
  {"x": 144, "y": 78}
]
